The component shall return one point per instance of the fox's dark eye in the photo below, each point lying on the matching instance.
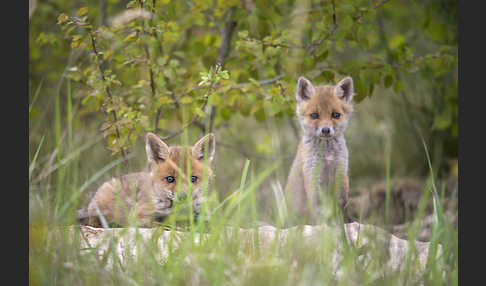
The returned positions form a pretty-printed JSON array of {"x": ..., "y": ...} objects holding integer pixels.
[
  {"x": 314, "y": 115},
  {"x": 170, "y": 179},
  {"x": 193, "y": 179},
  {"x": 336, "y": 115}
]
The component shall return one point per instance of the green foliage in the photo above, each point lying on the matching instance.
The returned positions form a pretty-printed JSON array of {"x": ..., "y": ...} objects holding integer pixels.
[{"x": 153, "y": 55}]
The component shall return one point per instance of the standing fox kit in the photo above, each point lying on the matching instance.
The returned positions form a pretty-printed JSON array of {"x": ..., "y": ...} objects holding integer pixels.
[
  {"x": 322, "y": 155},
  {"x": 148, "y": 196}
]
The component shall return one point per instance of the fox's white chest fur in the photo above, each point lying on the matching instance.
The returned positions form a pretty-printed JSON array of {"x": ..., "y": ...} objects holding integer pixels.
[{"x": 328, "y": 155}]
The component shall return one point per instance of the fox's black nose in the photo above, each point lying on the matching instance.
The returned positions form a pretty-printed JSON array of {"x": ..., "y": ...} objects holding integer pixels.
[{"x": 325, "y": 131}]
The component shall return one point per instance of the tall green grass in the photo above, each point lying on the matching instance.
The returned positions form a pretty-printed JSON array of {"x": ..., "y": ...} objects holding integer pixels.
[{"x": 56, "y": 257}]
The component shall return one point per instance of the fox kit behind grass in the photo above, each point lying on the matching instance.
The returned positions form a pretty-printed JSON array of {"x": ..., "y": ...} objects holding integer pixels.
[
  {"x": 148, "y": 196},
  {"x": 322, "y": 155}
]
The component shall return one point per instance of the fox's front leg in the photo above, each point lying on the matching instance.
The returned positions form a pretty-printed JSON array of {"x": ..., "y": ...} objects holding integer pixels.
[
  {"x": 343, "y": 198},
  {"x": 145, "y": 214},
  {"x": 151, "y": 213},
  {"x": 311, "y": 182}
]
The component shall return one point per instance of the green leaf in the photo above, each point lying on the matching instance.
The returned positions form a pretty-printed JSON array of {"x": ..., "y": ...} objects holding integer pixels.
[
  {"x": 215, "y": 99},
  {"x": 226, "y": 113},
  {"x": 361, "y": 91},
  {"x": 322, "y": 56},
  {"x": 388, "y": 80},
  {"x": 76, "y": 37},
  {"x": 398, "y": 86},
  {"x": 186, "y": 100},
  {"x": 327, "y": 76},
  {"x": 397, "y": 41},
  {"x": 62, "y": 18},
  {"x": 260, "y": 115},
  {"x": 441, "y": 122},
  {"x": 82, "y": 11},
  {"x": 243, "y": 34},
  {"x": 128, "y": 38}
]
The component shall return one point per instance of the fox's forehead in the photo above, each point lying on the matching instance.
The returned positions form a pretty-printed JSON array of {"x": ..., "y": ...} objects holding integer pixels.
[
  {"x": 180, "y": 154},
  {"x": 180, "y": 159},
  {"x": 324, "y": 99}
]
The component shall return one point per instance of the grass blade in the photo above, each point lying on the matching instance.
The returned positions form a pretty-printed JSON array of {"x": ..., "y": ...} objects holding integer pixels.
[
  {"x": 36, "y": 95},
  {"x": 90, "y": 181},
  {"x": 32, "y": 164}
]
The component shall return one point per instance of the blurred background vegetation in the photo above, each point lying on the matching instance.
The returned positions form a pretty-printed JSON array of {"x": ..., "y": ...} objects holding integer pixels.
[{"x": 162, "y": 61}]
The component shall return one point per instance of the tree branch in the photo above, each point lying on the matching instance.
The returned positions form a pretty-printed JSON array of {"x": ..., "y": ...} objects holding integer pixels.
[
  {"x": 103, "y": 6},
  {"x": 377, "y": 5},
  {"x": 196, "y": 117},
  {"x": 261, "y": 82},
  {"x": 147, "y": 56},
  {"x": 227, "y": 32},
  {"x": 314, "y": 45},
  {"x": 107, "y": 89},
  {"x": 381, "y": 3},
  {"x": 223, "y": 52}
]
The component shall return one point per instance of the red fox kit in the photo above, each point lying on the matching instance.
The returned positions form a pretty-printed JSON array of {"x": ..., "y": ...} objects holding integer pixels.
[
  {"x": 148, "y": 196},
  {"x": 322, "y": 155}
]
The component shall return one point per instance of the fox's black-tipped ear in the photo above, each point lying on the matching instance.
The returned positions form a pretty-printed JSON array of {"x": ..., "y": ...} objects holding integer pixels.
[
  {"x": 157, "y": 150},
  {"x": 199, "y": 149},
  {"x": 304, "y": 90},
  {"x": 345, "y": 89}
]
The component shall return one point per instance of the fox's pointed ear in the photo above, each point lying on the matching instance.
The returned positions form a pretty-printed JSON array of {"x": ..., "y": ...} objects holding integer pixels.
[
  {"x": 304, "y": 89},
  {"x": 345, "y": 89},
  {"x": 199, "y": 149},
  {"x": 157, "y": 150}
]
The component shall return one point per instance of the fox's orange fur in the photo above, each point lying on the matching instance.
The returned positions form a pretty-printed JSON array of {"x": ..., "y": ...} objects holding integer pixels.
[
  {"x": 148, "y": 196},
  {"x": 322, "y": 145}
]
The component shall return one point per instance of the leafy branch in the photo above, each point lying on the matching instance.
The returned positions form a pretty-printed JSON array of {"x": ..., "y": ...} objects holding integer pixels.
[
  {"x": 208, "y": 79},
  {"x": 82, "y": 22},
  {"x": 312, "y": 47}
]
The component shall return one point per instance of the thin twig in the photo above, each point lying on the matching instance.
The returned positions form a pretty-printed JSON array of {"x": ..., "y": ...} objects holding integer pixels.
[
  {"x": 103, "y": 6},
  {"x": 148, "y": 62},
  {"x": 206, "y": 14},
  {"x": 314, "y": 45},
  {"x": 196, "y": 117},
  {"x": 371, "y": 65},
  {"x": 227, "y": 32},
  {"x": 294, "y": 128},
  {"x": 311, "y": 47},
  {"x": 379, "y": 4},
  {"x": 262, "y": 82},
  {"x": 243, "y": 84},
  {"x": 211, "y": 119},
  {"x": 223, "y": 52},
  {"x": 167, "y": 81},
  {"x": 107, "y": 89}
]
